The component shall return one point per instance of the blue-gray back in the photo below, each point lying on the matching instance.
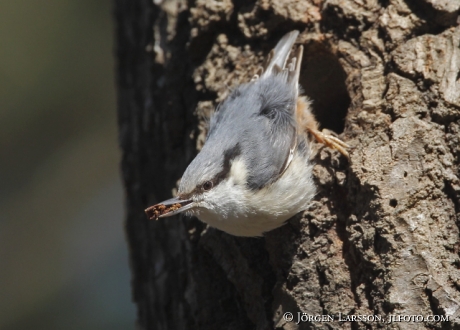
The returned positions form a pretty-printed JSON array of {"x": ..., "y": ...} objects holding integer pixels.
[{"x": 257, "y": 122}]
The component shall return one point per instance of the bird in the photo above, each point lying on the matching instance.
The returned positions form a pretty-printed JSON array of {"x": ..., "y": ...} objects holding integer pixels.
[{"x": 254, "y": 170}]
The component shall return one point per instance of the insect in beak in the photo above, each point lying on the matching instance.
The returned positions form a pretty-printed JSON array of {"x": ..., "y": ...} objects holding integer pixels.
[{"x": 168, "y": 208}]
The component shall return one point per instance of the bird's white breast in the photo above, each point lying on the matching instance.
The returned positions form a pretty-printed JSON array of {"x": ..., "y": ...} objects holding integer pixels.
[{"x": 237, "y": 210}]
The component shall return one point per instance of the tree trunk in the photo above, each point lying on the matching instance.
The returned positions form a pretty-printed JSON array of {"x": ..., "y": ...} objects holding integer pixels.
[{"x": 381, "y": 237}]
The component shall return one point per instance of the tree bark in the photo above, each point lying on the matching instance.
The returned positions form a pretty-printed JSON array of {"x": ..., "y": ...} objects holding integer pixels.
[{"x": 381, "y": 237}]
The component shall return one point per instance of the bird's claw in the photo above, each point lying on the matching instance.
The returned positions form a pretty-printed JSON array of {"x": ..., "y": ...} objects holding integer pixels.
[{"x": 331, "y": 141}]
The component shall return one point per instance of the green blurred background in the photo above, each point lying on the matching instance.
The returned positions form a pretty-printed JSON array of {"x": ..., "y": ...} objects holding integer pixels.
[{"x": 63, "y": 256}]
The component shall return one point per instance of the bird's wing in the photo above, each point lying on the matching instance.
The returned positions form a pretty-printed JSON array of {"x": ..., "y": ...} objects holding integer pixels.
[
  {"x": 275, "y": 149},
  {"x": 260, "y": 117}
]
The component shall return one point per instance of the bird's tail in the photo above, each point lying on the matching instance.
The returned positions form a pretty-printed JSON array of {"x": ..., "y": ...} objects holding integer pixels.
[
  {"x": 277, "y": 60},
  {"x": 278, "y": 56}
]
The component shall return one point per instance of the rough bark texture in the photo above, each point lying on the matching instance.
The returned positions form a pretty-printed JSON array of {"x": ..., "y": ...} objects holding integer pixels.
[{"x": 382, "y": 235}]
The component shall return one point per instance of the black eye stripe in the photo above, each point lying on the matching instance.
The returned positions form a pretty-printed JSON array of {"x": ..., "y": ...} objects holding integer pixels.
[{"x": 229, "y": 155}]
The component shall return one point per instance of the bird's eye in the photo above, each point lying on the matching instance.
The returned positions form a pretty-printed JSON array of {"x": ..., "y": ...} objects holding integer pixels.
[{"x": 207, "y": 185}]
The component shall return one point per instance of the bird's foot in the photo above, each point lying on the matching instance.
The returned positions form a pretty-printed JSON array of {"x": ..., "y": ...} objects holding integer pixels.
[{"x": 325, "y": 137}]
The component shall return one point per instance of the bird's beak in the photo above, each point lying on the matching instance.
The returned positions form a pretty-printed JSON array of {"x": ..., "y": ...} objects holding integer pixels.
[{"x": 168, "y": 208}]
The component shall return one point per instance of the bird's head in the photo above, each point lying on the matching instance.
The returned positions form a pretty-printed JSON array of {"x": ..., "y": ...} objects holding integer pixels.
[{"x": 214, "y": 182}]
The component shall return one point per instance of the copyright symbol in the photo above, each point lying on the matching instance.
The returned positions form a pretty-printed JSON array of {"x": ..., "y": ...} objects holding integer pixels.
[{"x": 288, "y": 317}]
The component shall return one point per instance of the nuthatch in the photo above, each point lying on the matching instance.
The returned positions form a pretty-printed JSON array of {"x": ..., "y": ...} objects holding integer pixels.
[{"x": 254, "y": 171}]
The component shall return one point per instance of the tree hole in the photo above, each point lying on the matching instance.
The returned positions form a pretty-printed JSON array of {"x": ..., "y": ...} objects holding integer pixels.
[
  {"x": 323, "y": 80},
  {"x": 393, "y": 202}
]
